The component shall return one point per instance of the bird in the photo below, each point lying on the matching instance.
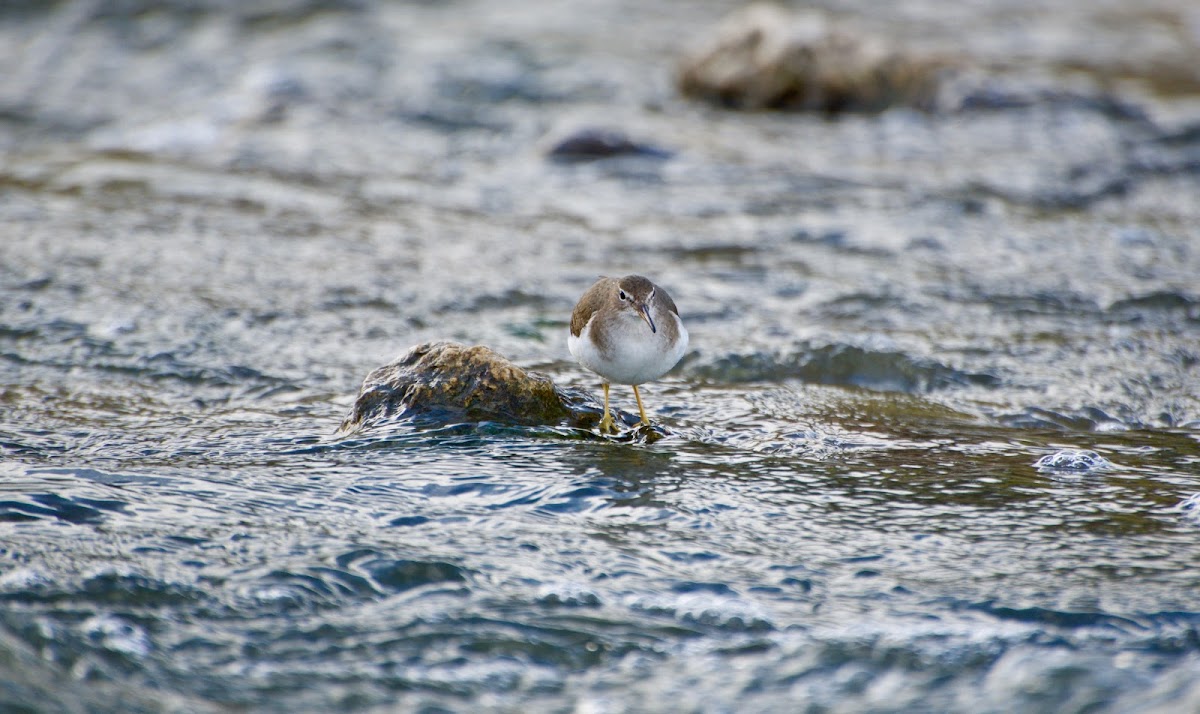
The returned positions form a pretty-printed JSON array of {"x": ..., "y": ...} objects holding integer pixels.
[{"x": 628, "y": 331}]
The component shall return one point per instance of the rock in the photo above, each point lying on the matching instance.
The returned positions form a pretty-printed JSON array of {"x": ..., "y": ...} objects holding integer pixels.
[
  {"x": 445, "y": 382},
  {"x": 594, "y": 144},
  {"x": 764, "y": 57}
]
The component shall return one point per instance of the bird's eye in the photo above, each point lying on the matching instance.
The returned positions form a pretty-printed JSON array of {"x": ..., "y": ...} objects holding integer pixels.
[{"x": 622, "y": 295}]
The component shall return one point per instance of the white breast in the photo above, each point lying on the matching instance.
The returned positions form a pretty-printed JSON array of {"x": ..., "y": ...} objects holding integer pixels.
[{"x": 638, "y": 355}]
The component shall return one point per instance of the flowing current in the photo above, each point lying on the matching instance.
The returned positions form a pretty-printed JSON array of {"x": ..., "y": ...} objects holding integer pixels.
[{"x": 935, "y": 445}]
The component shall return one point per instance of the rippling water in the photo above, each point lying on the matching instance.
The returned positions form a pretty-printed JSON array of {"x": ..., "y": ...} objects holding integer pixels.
[{"x": 935, "y": 447}]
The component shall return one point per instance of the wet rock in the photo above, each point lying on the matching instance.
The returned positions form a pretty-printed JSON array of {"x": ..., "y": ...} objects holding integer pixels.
[
  {"x": 594, "y": 144},
  {"x": 445, "y": 381},
  {"x": 1079, "y": 461},
  {"x": 764, "y": 57}
]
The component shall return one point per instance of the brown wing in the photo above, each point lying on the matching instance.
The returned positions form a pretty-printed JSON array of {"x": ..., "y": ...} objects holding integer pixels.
[
  {"x": 589, "y": 303},
  {"x": 666, "y": 298}
]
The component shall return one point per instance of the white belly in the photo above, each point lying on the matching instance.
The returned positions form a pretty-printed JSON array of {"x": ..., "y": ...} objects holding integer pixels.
[{"x": 637, "y": 355}]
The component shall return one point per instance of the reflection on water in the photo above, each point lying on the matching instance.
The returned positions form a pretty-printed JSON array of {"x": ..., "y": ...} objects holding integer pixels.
[{"x": 934, "y": 447}]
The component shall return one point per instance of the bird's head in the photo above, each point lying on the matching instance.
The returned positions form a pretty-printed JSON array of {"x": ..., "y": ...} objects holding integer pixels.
[{"x": 635, "y": 293}]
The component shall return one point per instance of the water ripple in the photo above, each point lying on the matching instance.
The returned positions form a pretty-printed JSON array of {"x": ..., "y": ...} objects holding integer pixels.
[{"x": 841, "y": 364}]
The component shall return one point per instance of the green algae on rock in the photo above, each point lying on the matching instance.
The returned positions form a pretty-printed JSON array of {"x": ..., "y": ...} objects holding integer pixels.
[{"x": 448, "y": 380}]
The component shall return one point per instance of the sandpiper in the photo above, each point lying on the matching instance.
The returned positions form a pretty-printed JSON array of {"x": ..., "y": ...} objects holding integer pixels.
[{"x": 628, "y": 331}]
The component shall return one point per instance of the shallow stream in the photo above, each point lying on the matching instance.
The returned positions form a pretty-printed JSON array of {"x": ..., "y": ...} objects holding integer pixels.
[{"x": 933, "y": 448}]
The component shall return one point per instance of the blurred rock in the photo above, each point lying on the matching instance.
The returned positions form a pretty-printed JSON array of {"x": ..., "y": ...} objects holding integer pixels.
[
  {"x": 765, "y": 57},
  {"x": 446, "y": 381},
  {"x": 594, "y": 144}
]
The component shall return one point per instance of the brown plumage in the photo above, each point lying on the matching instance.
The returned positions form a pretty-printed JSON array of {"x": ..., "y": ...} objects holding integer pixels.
[
  {"x": 638, "y": 288},
  {"x": 628, "y": 331}
]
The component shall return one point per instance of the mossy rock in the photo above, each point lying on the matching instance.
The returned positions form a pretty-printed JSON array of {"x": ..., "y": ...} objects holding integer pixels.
[{"x": 447, "y": 382}]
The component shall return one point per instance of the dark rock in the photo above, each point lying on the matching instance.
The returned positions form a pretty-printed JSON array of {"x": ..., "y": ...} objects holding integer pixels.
[
  {"x": 594, "y": 144},
  {"x": 445, "y": 382},
  {"x": 764, "y": 57}
]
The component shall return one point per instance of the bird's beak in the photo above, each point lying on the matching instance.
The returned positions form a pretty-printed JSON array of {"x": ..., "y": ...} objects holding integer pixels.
[{"x": 644, "y": 312}]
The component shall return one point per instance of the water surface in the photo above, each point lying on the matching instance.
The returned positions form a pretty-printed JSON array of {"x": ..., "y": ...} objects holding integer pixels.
[{"x": 932, "y": 448}]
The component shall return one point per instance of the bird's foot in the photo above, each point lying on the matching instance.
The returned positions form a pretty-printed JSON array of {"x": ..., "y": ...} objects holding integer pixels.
[{"x": 607, "y": 425}]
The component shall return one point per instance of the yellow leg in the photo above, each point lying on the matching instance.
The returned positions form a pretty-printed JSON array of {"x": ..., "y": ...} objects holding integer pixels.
[
  {"x": 641, "y": 409},
  {"x": 606, "y": 423}
]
